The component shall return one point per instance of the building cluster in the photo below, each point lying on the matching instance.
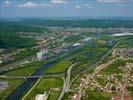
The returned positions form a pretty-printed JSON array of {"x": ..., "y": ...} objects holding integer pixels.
[
  {"x": 4, "y": 85},
  {"x": 123, "y": 52},
  {"x": 105, "y": 83},
  {"x": 4, "y": 56},
  {"x": 43, "y": 54},
  {"x": 41, "y": 96},
  {"x": 114, "y": 83},
  {"x": 94, "y": 30},
  {"x": 8, "y": 57},
  {"x": 45, "y": 96}
]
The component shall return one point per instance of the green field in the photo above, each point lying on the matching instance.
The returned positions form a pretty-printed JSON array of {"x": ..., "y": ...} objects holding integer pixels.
[
  {"x": 114, "y": 68},
  {"x": 51, "y": 86},
  {"x": 27, "y": 70},
  {"x": 88, "y": 59},
  {"x": 13, "y": 84},
  {"x": 60, "y": 67},
  {"x": 130, "y": 89},
  {"x": 126, "y": 43},
  {"x": 73, "y": 38},
  {"x": 91, "y": 95},
  {"x": 68, "y": 96}
]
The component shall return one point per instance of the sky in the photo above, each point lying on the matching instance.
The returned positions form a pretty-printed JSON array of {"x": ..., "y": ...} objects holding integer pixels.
[{"x": 66, "y": 8}]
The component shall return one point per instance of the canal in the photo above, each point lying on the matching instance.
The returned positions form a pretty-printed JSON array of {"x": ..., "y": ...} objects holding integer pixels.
[{"x": 28, "y": 83}]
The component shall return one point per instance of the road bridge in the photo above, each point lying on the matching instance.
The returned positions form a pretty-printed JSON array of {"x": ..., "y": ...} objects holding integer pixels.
[{"x": 27, "y": 77}]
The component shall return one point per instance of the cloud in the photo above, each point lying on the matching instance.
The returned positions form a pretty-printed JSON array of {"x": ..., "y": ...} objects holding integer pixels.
[
  {"x": 88, "y": 5},
  {"x": 121, "y": 5},
  {"x": 30, "y": 4},
  {"x": 46, "y": 5},
  {"x": 114, "y": 1},
  {"x": 77, "y": 6},
  {"x": 7, "y": 3},
  {"x": 58, "y": 1}
]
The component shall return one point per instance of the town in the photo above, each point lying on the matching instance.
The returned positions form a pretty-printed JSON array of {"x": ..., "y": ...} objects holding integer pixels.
[
  {"x": 62, "y": 43},
  {"x": 66, "y": 50}
]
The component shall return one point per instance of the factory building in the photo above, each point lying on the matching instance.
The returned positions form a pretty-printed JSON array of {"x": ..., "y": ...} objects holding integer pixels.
[{"x": 43, "y": 54}]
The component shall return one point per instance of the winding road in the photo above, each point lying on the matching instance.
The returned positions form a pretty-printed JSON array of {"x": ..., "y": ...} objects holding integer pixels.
[{"x": 66, "y": 85}]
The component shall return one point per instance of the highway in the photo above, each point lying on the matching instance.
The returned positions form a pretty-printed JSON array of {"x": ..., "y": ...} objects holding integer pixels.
[
  {"x": 28, "y": 77},
  {"x": 67, "y": 82},
  {"x": 66, "y": 85}
]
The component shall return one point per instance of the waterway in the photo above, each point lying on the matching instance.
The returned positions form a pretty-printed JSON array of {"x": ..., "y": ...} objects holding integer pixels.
[
  {"x": 24, "y": 87},
  {"x": 28, "y": 83}
]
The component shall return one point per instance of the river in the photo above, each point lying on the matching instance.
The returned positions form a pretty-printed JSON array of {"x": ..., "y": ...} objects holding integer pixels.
[{"x": 28, "y": 83}]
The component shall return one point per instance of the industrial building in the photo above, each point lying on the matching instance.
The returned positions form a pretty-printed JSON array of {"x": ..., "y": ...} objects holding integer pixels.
[{"x": 43, "y": 54}]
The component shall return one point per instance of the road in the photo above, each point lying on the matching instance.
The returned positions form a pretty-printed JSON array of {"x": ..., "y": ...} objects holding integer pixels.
[
  {"x": 127, "y": 74},
  {"x": 98, "y": 68},
  {"x": 99, "y": 62},
  {"x": 27, "y": 77},
  {"x": 66, "y": 85},
  {"x": 102, "y": 66}
]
